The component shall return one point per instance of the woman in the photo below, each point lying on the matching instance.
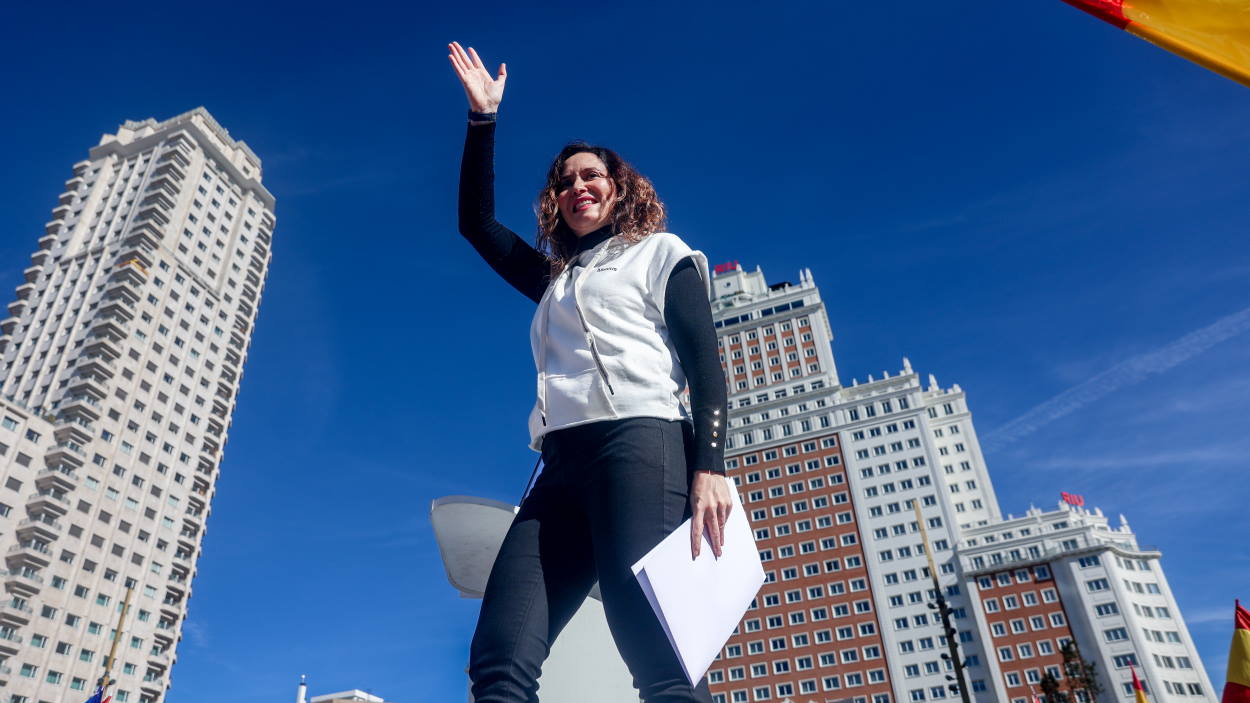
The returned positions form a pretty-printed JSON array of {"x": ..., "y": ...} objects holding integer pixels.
[{"x": 623, "y": 323}]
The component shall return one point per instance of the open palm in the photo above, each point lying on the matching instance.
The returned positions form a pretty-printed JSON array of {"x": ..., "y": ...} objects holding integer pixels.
[{"x": 484, "y": 92}]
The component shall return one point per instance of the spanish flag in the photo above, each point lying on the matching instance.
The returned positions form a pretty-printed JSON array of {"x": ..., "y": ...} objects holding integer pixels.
[
  {"x": 1139, "y": 693},
  {"x": 1237, "y": 683},
  {"x": 1211, "y": 33}
]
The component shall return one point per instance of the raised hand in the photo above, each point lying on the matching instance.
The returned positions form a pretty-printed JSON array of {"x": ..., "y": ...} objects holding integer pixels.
[{"x": 484, "y": 92}]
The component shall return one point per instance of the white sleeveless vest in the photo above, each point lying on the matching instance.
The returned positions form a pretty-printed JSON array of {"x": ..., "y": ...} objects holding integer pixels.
[{"x": 600, "y": 344}]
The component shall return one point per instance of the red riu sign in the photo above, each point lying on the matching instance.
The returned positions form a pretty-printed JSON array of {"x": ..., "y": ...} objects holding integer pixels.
[
  {"x": 727, "y": 266},
  {"x": 1072, "y": 499}
]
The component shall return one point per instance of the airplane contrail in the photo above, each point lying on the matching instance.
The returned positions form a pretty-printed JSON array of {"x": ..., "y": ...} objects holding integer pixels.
[{"x": 1125, "y": 373}]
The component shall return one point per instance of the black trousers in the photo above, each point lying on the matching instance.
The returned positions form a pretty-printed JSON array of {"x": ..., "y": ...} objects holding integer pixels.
[{"x": 609, "y": 492}]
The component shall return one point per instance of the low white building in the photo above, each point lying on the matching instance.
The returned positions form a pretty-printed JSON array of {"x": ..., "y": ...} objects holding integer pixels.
[{"x": 1042, "y": 579}]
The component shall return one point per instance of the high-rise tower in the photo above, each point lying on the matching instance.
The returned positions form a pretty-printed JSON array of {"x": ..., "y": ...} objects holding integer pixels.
[{"x": 122, "y": 358}]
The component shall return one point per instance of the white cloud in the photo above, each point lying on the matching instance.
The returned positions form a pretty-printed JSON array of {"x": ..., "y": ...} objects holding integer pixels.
[{"x": 1125, "y": 373}]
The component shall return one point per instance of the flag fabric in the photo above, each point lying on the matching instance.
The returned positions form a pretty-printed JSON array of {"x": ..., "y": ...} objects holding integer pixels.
[
  {"x": 1211, "y": 33},
  {"x": 1139, "y": 693},
  {"x": 1237, "y": 683},
  {"x": 98, "y": 696}
]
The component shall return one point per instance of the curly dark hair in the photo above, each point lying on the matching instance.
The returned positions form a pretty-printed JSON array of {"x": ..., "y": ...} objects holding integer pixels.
[{"x": 636, "y": 213}]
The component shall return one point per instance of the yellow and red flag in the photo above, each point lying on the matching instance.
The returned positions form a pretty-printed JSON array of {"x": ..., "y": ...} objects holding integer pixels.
[
  {"x": 1237, "y": 683},
  {"x": 1211, "y": 33},
  {"x": 1139, "y": 693}
]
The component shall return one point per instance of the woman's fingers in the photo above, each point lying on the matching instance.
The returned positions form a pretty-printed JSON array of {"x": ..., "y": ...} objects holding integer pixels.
[
  {"x": 477, "y": 61},
  {"x": 696, "y": 532}
]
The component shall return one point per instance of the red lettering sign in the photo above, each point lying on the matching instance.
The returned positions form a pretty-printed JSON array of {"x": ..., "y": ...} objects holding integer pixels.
[
  {"x": 726, "y": 267},
  {"x": 1072, "y": 499}
]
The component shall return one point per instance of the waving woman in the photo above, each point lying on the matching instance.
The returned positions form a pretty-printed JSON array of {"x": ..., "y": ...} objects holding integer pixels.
[{"x": 622, "y": 327}]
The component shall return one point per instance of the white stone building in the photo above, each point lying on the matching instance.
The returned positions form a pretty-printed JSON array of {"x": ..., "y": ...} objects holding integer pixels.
[
  {"x": 121, "y": 362},
  {"x": 1047, "y": 577}
]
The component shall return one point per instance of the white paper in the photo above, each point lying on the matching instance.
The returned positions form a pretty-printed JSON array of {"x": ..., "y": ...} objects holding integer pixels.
[{"x": 700, "y": 601}]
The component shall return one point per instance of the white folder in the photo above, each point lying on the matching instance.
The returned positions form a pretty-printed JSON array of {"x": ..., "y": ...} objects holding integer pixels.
[{"x": 700, "y": 601}]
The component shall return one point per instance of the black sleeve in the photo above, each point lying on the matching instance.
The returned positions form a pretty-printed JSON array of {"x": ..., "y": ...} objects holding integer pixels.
[
  {"x": 520, "y": 264},
  {"x": 689, "y": 319}
]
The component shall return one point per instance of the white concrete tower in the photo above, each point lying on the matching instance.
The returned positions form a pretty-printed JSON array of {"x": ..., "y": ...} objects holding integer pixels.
[{"x": 121, "y": 362}]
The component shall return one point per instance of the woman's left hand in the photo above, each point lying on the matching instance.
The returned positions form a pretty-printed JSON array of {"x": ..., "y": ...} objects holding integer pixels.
[{"x": 710, "y": 503}]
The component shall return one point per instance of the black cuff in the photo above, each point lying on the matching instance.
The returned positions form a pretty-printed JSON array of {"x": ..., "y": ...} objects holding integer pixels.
[{"x": 482, "y": 116}]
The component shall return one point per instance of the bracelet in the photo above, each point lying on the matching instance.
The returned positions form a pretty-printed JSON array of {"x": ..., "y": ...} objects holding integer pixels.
[{"x": 482, "y": 116}]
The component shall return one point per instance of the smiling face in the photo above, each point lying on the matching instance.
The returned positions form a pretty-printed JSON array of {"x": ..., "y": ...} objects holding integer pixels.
[{"x": 586, "y": 193}]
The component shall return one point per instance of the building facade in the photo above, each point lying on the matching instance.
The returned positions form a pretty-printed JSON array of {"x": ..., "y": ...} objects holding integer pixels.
[
  {"x": 1066, "y": 575},
  {"x": 830, "y": 475},
  {"x": 121, "y": 363}
]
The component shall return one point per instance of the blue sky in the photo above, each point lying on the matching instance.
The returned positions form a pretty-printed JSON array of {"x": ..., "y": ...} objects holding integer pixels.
[{"x": 1018, "y": 198}]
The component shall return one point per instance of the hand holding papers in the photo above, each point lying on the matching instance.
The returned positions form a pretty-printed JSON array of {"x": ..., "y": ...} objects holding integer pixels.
[{"x": 699, "y": 602}]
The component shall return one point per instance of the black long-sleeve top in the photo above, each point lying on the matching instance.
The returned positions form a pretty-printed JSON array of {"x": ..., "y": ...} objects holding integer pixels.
[{"x": 686, "y": 311}]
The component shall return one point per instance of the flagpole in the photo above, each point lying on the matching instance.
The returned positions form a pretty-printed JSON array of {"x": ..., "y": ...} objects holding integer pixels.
[{"x": 117, "y": 634}]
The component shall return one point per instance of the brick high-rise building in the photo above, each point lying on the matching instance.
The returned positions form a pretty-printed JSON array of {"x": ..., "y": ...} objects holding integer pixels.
[
  {"x": 121, "y": 361},
  {"x": 829, "y": 474}
]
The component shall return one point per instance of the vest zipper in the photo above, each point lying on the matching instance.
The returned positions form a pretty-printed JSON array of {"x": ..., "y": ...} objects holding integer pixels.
[{"x": 594, "y": 351}]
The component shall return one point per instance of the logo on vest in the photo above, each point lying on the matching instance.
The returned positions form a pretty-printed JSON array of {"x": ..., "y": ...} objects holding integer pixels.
[{"x": 605, "y": 268}]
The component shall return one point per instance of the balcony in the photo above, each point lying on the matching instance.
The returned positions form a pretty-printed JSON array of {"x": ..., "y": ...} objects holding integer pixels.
[
  {"x": 32, "y": 273},
  {"x": 137, "y": 254},
  {"x": 29, "y": 553},
  {"x": 160, "y": 658},
  {"x": 24, "y": 290},
  {"x": 162, "y": 185},
  {"x": 122, "y": 292},
  {"x": 127, "y": 272},
  {"x": 80, "y": 406},
  {"x": 148, "y": 228},
  {"x": 74, "y": 430},
  {"x": 16, "y": 307},
  {"x": 114, "y": 328},
  {"x": 143, "y": 239},
  {"x": 97, "y": 363},
  {"x": 48, "y": 501},
  {"x": 200, "y": 487},
  {"x": 8, "y": 324},
  {"x": 50, "y": 235},
  {"x": 155, "y": 685},
  {"x": 10, "y": 641},
  {"x": 171, "y": 169},
  {"x": 70, "y": 453},
  {"x": 164, "y": 181},
  {"x": 59, "y": 476},
  {"x": 118, "y": 308},
  {"x": 174, "y": 156},
  {"x": 159, "y": 197},
  {"x": 66, "y": 198},
  {"x": 39, "y": 258},
  {"x": 12, "y": 611},
  {"x": 26, "y": 580},
  {"x": 102, "y": 345},
  {"x": 89, "y": 384},
  {"x": 60, "y": 212}
]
